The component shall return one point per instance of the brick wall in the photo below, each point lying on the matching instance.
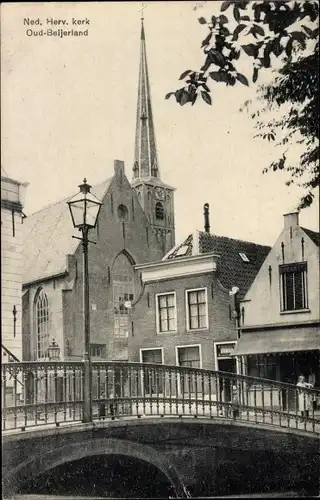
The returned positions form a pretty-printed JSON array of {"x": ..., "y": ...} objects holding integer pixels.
[
  {"x": 134, "y": 235},
  {"x": 136, "y": 238},
  {"x": 220, "y": 327}
]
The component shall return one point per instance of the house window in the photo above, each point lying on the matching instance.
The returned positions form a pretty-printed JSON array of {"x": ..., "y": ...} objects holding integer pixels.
[
  {"x": 42, "y": 324},
  {"x": 97, "y": 350},
  {"x": 189, "y": 356},
  {"x": 166, "y": 307},
  {"x": 152, "y": 378},
  {"x": 151, "y": 356},
  {"x": 123, "y": 294},
  {"x": 197, "y": 316},
  {"x": 159, "y": 211},
  {"x": 293, "y": 286},
  {"x": 262, "y": 366}
]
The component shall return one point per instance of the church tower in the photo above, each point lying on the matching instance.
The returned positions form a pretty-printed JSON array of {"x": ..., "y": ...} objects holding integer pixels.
[{"x": 155, "y": 197}]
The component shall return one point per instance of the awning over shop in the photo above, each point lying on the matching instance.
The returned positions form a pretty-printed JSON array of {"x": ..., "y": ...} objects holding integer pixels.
[
  {"x": 121, "y": 355},
  {"x": 279, "y": 340}
]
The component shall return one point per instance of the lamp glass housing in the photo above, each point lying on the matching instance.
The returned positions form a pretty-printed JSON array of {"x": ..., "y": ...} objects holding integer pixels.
[
  {"x": 84, "y": 207},
  {"x": 53, "y": 351}
]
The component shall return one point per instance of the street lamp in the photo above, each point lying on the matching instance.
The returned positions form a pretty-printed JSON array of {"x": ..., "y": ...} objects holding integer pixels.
[
  {"x": 53, "y": 351},
  {"x": 84, "y": 209}
]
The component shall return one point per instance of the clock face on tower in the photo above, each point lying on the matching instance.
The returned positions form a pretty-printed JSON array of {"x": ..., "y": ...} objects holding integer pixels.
[{"x": 160, "y": 194}]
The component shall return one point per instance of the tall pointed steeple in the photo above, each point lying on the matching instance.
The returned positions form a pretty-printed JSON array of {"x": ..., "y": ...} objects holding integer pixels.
[
  {"x": 145, "y": 155},
  {"x": 155, "y": 197}
]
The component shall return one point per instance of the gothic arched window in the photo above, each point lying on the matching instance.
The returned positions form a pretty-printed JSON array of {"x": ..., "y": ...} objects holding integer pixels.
[
  {"x": 123, "y": 294},
  {"x": 159, "y": 211},
  {"x": 42, "y": 323}
]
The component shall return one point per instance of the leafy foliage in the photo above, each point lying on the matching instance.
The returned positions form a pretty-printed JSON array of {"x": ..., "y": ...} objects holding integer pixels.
[{"x": 264, "y": 31}]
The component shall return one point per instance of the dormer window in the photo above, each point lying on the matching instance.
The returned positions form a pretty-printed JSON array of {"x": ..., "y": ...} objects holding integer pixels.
[
  {"x": 182, "y": 250},
  {"x": 159, "y": 211},
  {"x": 244, "y": 257},
  {"x": 293, "y": 286}
]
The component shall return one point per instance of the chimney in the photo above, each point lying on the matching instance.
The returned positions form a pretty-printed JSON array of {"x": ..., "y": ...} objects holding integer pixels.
[
  {"x": 206, "y": 218},
  {"x": 119, "y": 167},
  {"x": 291, "y": 220}
]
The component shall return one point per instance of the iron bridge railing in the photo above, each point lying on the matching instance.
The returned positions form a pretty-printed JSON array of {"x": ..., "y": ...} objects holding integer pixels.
[{"x": 38, "y": 393}]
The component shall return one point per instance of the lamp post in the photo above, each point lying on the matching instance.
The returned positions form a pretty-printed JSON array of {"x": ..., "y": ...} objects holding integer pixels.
[
  {"x": 84, "y": 209},
  {"x": 53, "y": 354}
]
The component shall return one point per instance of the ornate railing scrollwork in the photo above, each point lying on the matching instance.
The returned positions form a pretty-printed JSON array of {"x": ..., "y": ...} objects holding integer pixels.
[{"x": 38, "y": 393}]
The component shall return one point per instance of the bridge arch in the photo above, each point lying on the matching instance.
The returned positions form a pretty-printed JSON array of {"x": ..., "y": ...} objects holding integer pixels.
[{"x": 79, "y": 449}]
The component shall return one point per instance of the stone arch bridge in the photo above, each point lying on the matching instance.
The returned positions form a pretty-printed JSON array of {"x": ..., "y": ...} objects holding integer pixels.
[{"x": 190, "y": 424}]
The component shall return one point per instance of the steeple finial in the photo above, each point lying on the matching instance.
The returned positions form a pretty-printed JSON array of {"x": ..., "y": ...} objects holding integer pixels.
[
  {"x": 145, "y": 156},
  {"x": 142, "y": 19},
  {"x": 143, "y": 7}
]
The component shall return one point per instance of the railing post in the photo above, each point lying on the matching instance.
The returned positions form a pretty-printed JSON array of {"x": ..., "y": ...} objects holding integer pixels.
[
  {"x": 87, "y": 390},
  {"x": 4, "y": 396}
]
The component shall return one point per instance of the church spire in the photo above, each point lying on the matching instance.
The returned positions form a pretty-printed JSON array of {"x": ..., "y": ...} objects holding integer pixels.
[{"x": 145, "y": 155}]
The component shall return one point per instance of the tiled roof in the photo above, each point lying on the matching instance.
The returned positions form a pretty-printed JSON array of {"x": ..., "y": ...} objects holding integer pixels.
[
  {"x": 48, "y": 238},
  {"x": 313, "y": 235},
  {"x": 232, "y": 270}
]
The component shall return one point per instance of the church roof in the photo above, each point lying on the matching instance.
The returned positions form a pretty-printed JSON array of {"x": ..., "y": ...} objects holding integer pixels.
[
  {"x": 47, "y": 238},
  {"x": 313, "y": 235},
  {"x": 238, "y": 263}
]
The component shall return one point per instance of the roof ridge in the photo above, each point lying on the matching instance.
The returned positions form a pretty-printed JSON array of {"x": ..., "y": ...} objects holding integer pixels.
[
  {"x": 235, "y": 239},
  {"x": 65, "y": 199},
  {"x": 311, "y": 230},
  {"x": 313, "y": 235}
]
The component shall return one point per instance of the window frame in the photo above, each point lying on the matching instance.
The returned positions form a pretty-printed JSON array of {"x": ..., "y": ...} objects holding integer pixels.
[
  {"x": 159, "y": 210},
  {"x": 244, "y": 257},
  {"x": 158, "y": 325},
  {"x": 216, "y": 357},
  {"x": 284, "y": 269},
  {"x": 190, "y": 290},
  {"x": 122, "y": 287},
  {"x": 155, "y": 348},
  {"x": 40, "y": 341},
  {"x": 177, "y": 347},
  {"x": 93, "y": 347},
  {"x": 263, "y": 366},
  {"x": 122, "y": 212}
]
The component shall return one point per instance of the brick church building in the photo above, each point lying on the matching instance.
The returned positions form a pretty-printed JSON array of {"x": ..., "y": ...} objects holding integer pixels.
[
  {"x": 150, "y": 299},
  {"x": 135, "y": 225}
]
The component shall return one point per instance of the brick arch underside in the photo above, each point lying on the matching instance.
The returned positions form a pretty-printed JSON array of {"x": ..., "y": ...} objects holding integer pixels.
[{"x": 50, "y": 459}]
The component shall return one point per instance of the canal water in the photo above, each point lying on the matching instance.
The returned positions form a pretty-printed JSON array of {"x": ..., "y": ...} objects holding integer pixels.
[{"x": 125, "y": 477}]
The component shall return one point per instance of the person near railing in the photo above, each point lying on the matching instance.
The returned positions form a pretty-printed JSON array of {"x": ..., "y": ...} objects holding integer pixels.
[
  {"x": 235, "y": 402},
  {"x": 112, "y": 405},
  {"x": 304, "y": 400},
  {"x": 102, "y": 405},
  {"x": 312, "y": 381}
]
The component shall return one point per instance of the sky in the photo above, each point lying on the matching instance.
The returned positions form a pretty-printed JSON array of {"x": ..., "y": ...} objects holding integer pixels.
[{"x": 68, "y": 110}]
